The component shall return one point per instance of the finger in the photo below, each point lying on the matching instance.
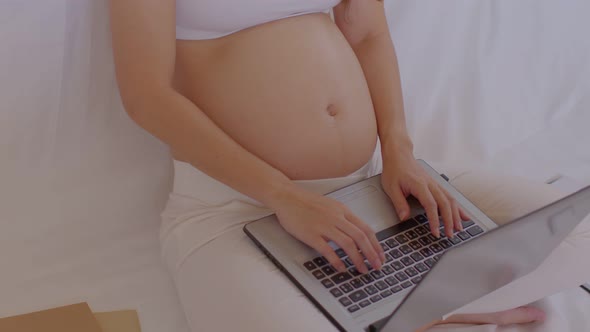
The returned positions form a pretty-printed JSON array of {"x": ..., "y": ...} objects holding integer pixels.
[
  {"x": 522, "y": 315},
  {"x": 349, "y": 246},
  {"x": 400, "y": 202},
  {"x": 444, "y": 206},
  {"x": 371, "y": 250},
  {"x": 456, "y": 214},
  {"x": 424, "y": 196},
  {"x": 369, "y": 233},
  {"x": 322, "y": 246}
]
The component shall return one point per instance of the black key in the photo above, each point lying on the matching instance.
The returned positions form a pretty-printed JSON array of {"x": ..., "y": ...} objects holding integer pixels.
[
  {"x": 436, "y": 247},
  {"x": 421, "y": 230},
  {"x": 426, "y": 252},
  {"x": 407, "y": 261},
  {"x": 397, "y": 265},
  {"x": 318, "y": 274},
  {"x": 381, "y": 285},
  {"x": 368, "y": 265},
  {"x": 432, "y": 238},
  {"x": 424, "y": 241},
  {"x": 396, "y": 254},
  {"x": 446, "y": 244},
  {"x": 430, "y": 262},
  {"x": 392, "y": 243},
  {"x": 387, "y": 269},
  {"x": 364, "y": 303},
  {"x": 386, "y": 293},
  {"x": 371, "y": 289},
  {"x": 421, "y": 218},
  {"x": 353, "y": 308},
  {"x": 346, "y": 288},
  {"x": 336, "y": 292},
  {"x": 415, "y": 245},
  {"x": 475, "y": 230},
  {"x": 341, "y": 277},
  {"x": 384, "y": 246},
  {"x": 391, "y": 281},
  {"x": 411, "y": 234},
  {"x": 401, "y": 239},
  {"x": 401, "y": 276},
  {"x": 421, "y": 267},
  {"x": 463, "y": 235},
  {"x": 356, "y": 283},
  {"x": 417, "y": 280},
  {"x": 437, "y": 257},
  {"x": 345, "y": 301},
  {"x": 358, "y": 295},
  {"x": 416, "y": 256},
  {"x": 340, "y": 252},
  {"x": 367, "y": 279},
  {"x": 328, "y": 270},
  {"x": 468, "y": 223},
  {"x": 309, "y": 265},
  {"x": 455, "y": 240},
  {"x": 405, "y": 249},
  {"x": 411, "y": 271},
  {"x": 388, "y": 258},
  {"x": 407, "y": 284},
  {"x": 394, "y": 230},
  {"x": 327, "y": 283},
  {"x": 348, "y": 262},
  {"x": 354, "y": 272},
  {"x": 396, "y": 289},
  {"x": 376, "y": 298},
  {"x": 320, "y": 261},
  {"x": 377, "y": 274}
]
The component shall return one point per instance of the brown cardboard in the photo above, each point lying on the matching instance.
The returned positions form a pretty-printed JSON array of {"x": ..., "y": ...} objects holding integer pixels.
[
  {"x": 72, "y": 318},
  {"x": 118, "y": 321}
]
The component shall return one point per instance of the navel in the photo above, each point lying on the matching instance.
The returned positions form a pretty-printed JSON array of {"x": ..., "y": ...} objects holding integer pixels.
[{"x": 332, "y": 110}]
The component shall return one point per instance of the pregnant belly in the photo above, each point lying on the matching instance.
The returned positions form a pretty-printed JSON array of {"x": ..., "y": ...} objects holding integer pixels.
[{"x": 291, "y": 92}]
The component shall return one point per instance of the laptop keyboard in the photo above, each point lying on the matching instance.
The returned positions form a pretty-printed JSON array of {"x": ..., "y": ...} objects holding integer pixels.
[{"x": 410, "y": 251}]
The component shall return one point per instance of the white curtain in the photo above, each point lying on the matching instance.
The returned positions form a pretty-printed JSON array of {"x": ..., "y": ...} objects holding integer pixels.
[{"x": 60, "y": 113}]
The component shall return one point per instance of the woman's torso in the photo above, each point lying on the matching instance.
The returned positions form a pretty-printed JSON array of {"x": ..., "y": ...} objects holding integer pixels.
[{"x": 291, "y": 92}]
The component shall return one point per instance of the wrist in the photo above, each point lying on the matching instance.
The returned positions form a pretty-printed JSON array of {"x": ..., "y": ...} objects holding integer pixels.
[
  {"x": 280, "y": 193},
  {"x": 396, "y": 146}
]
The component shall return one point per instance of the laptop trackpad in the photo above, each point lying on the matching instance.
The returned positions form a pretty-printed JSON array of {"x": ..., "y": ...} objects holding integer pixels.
[{"x": 372, "y": 206}]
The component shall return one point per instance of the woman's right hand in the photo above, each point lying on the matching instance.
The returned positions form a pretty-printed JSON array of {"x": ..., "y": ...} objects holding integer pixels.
[{"x": 315, "y": 219}]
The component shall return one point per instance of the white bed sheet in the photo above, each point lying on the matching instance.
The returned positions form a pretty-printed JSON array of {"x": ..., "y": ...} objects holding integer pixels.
[
  {"x": 560, "y": 150},
  {"x": 82, "y": 187}
]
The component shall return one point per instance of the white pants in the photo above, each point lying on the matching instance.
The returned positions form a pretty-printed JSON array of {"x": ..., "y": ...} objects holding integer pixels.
[{"x": 225, "y": 283}]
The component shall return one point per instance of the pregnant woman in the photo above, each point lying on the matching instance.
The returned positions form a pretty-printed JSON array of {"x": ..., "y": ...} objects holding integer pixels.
[{"x": 266, "y": 106}]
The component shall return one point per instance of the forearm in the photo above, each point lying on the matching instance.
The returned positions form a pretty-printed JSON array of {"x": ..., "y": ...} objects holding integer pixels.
[
  {"x": 196, "y": 139},
  {"x": 379, "y": 62}
]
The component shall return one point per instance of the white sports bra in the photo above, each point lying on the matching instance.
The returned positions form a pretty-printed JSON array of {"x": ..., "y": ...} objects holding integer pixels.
[{"x": 208, "y": 19}]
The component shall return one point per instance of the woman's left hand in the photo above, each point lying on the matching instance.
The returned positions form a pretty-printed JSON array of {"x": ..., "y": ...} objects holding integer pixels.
[
  {"x": 521, "y": 315},
  {"x": 403, "y": 176}
]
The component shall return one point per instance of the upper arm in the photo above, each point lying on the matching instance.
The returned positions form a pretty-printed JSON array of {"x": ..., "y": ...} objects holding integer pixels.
[
  {"x": 144, "y": 45},
  {"x": 361, "y": 19}
]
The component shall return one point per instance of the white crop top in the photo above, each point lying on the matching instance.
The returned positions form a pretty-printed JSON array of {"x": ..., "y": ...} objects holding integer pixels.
[{"x": 208, "y": 19}]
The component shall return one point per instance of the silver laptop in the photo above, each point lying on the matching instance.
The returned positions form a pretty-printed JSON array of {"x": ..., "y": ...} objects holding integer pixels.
[{"x": 424, "y": 278}]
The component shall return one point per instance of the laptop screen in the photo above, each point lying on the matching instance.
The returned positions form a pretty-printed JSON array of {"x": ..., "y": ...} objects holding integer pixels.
[{"x": 472, "y": 270}]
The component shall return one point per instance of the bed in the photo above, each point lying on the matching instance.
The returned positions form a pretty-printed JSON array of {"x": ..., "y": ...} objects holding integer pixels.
[{"x": 491, "y": 83}]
